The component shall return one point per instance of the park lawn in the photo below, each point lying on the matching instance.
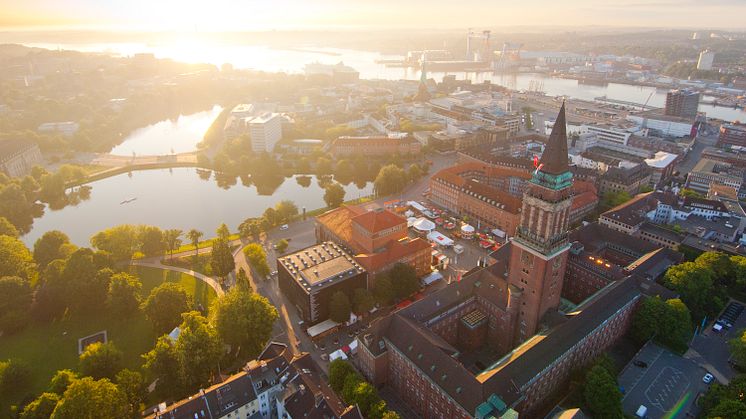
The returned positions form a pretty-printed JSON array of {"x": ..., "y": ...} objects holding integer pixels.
[
  {"x": 188, "y": 246},
  {"x": 152, "y": 277},
  {"x": 48, "y": 347}
]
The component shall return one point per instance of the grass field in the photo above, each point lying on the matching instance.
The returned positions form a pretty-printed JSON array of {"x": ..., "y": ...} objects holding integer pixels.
[{"x": 48, "y": 347}]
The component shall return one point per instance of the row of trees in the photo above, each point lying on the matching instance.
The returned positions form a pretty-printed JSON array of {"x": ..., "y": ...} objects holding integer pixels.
[
  {"x": 725, "y": 401},
  {"x": 669, "y": 322},
  {"x": 354, "y": 390}
]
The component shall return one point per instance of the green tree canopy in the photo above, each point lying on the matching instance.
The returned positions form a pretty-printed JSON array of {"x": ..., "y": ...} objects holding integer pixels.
[
  {"x": 602, "y": 395},
  {"x": 152, "y": 240},
  {"x": 738, "y": 348},
  {"x": 339, "y": 369},
  {"x": 282, "y": 246},
  {"x": 384, "y": 290},
  {"x": 199, "y": 348},
  {"x": 16, "y": 259},
  {"x": 61, "y": 381},
  {"x": 163, "y": 363},
  {"x": 172, "y": 238},
  {"x": 669, "y": 321},
  {"x": 339, "y": 307},
  {"x": 91, "y": 399},
  {"x": 221, "y": 258},
  {"x": 101, "y": 360},
  {"x": 695, "y": 284},
  {"x": 257, "y": 258},
  {"x": 334, "y": 195},
  {"x": 244, "y": 319},
  {"x": 15, "y": 303},
  {"x": 121, "y": 241},
  {"x": 123, "y": 297},
  {"x": 50, "y": 246},
  {"x": 286, "y": 210},
  {"x": 8, "y": 229},
  {"x": 165, "y": 304},
  {"x": 363, "y": 301},
  {"x": 391, "y": 180},
  {"x": 132, "y": 385},
  {"x": 15, "y": 378},
  {"x": 403, "y": 280},
  {"x": 42, "y": 407},
  {"x": 194, "y": 235}
]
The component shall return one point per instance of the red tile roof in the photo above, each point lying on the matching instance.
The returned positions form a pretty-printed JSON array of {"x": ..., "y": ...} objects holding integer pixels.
[
  {"x": 378, "y": 220},
  {"x": 339, "y": 221},
  {"x": 395, "y": 251}
]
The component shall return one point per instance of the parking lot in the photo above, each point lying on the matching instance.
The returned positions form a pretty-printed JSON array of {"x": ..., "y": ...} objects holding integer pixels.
[
  {"x": 668, "y": 383},
  {"x": 710, "y": 347}
]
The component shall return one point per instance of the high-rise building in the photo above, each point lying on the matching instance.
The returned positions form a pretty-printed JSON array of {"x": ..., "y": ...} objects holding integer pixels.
[
  {"x": 706, "y": 58},
  {"x": 682, "y": 103},
  {"x": 540, "y": 245},
  {"x": 265, "y": 131}
]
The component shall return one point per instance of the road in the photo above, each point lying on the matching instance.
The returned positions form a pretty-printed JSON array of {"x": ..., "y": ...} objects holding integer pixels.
[{"x": 695, "y": 154}]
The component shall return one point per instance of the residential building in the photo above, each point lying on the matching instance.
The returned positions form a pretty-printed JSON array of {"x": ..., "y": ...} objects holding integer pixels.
[
  {"x": 682, "y": 103},
  {"x": 707, "y": 172},
  {"x": 17, "y": 157},
  {"x": 67, "y": 129},
  {"x": 609, "y": 134},
  {"x": 266, "y": 374},
  {"x": 705, "y": 60},
  {"x": 661, "y": 168},
  {"x": 234, "y": 397},
  {"x": 657, "y": 123},
  {"x": 309, "y": 277},
  {"x": 391, "y": 144},
  {"x": 732, "y": 135},
  {"x": 625, "y": 179},
  {"x": 378, "y": 239}
]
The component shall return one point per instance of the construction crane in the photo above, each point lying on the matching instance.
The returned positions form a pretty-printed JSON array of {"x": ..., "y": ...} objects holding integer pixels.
[{"x": 644, "y": 117}]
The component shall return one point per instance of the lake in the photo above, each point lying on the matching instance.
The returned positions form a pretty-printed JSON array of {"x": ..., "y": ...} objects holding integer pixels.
[
  {"x": 176, "y": 198},
  {"x": 179, "y": 135}
]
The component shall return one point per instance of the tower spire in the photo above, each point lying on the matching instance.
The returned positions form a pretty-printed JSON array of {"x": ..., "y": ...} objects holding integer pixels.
[{"x": 554, "y": 159}]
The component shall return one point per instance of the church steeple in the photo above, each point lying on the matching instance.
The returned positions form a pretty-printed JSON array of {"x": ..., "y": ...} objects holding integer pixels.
[{"x": 554, "y": 159}]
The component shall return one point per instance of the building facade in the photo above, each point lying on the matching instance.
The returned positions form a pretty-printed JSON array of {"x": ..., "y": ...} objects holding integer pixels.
[
  {"x": 682, "y": 103},
  {"x": 18, "y": 157},
  {"x": 732, "y": 135},
  {"x": 374, "y": 146}
]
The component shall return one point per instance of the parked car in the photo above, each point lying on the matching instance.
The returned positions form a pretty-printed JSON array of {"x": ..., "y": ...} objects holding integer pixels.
[
  {"x": 284, "y": 227},
  {"x": 641, "y": 364},
  {"x": 707, "y": 379}
]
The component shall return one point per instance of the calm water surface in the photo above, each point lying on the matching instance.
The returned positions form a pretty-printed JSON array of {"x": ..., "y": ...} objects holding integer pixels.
[
  {"x": 170, "y": 136},
  {"x": 176, "y": 198}
]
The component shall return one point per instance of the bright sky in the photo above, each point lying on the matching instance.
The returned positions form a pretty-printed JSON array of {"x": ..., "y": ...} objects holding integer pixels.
[{"x": 230, "y": 15}]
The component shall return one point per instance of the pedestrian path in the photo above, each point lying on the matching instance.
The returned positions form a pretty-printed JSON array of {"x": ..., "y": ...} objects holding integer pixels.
[{"x": 212, "y": 282}]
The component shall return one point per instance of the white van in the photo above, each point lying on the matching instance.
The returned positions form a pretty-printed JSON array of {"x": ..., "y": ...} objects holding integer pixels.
[{"x": 642, "y": 412}]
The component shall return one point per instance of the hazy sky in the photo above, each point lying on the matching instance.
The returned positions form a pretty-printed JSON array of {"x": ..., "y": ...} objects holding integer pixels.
[{"x": 216, "y": 15}]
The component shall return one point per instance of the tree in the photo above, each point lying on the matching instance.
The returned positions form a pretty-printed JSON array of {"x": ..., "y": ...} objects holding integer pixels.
[
  {"x": 61, "y": 381},
  {"x": 257, "y": 258},
  {"x": 15, "y": 303},
  {"x": 363, "y": 301},
  {"x": 121, "y": 241},
  {"x": 152, "y": 240},
  {"x": 414, "y": 172},
  {"x": 15, "y": 378},
  {"x": 101, "y": 360},
  {"x": 85, "y": 286},
  {"x": 282, "y": 245},
  {"x": 718, "y": 262},
  {"x": 16, "y": 259},
  {"x": 52, "y": 245},
  {"x": 738, "y": 265},
  {"x": 365, "y": 397},
  {"x": 613, "y": 199},
  {"x": 223, "y": 232},
  {"x": 334, "y": 195},
  {"x": 695, "y": 285},
  {"x": 42, "y": 407},
  {"x": 194, "y": 236},
  {"x": 123, "y": 298},
  {"x": 91, "y": 399},
  {"x": 384, "y": 290},
  {"x": 242, "y": 280},
  {"x": 162, "y": 363},
  {"x": 221, "y": 258},
  {"x": 286, "y": 210},
  {"x": 403, "y": 280},
  {"x": 391, "y": 179},
  {"x": 132, "y": 385},
  {"x": 244, "y": 320},
  {"x": 199, "y": 348},
  {"x": 738, "y": 348},
  {"x": 669, "y": 322},
  {"x": 339, "y": 307},
  {"x": 7, "y": 229},
  {"x": 349, "y": 387},
  {"x": 164, "y": 306},
  {"x": 173, "y": 240},
  {"x": 339, "y": 369},
  {"x": 249, "y": 228},
  {"x": 728, "y": 409},
  {"x": 271, "y": 218},
  {"x": 323, "y": 167},
  {"x": 602, "y": 394}
]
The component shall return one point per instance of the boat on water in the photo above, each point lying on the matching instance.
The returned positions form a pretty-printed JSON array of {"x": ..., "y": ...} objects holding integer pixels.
[{"x": 127, "y": 201}]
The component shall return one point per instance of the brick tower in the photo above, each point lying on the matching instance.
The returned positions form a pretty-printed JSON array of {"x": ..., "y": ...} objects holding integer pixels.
[{"x": 539, "y": 249}]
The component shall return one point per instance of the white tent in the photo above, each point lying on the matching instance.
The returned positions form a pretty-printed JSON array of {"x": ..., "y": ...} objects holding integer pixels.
[
  {"x": 439, "y": 238},
  {"x": 409, "y": 213},
  {"x": 467, "y": 229},
  {"x": 416, "y": 205},
  {"x": 499, "y": 233},
  {"x": 411, "y": 221},
  {"x": 433, "y": 277},
  {"x": 424, "y": 225},
  {"x": 338, "y": 354}
]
